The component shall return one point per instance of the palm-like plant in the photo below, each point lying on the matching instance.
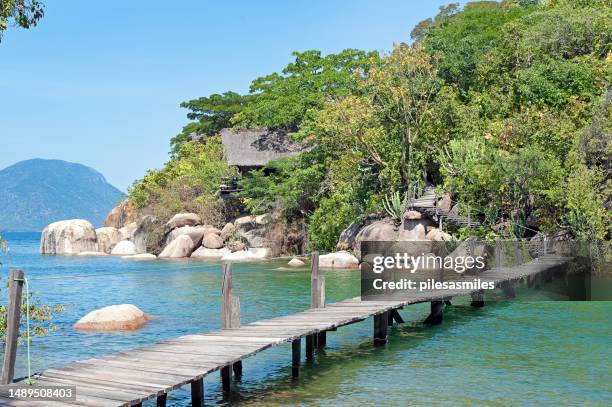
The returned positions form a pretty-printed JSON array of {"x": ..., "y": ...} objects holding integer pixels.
[{"x": 395, "y": 205}]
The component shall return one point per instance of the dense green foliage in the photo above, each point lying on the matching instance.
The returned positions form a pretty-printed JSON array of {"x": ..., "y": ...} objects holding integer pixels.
[
  {"x": 505, "y": 105},
  {"x": 188, "y": 182},
  {"x": 22, "y": 13}
]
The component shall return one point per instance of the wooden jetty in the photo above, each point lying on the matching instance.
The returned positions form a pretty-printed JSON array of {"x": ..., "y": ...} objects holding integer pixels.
[{"x": 150, "y": 372}]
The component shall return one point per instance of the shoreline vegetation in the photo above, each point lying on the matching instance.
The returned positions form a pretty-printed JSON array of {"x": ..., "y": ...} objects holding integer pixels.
[{"x": 503, "y": 108}]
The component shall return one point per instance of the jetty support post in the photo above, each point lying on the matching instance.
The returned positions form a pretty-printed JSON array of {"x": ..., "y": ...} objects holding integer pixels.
[
  {"x": 197, "y": 393},
  {"x": 477, "y": 299},
  {"x": 381, "y": 324},
  {"x": 230, "y": 318},
  {"x": 317, "y": 300},
  {"x": 296, "y": 351},
  {"x": 161, "y": 400},
  {"x": 436, "y": 314},
  {"x": 13, "y": 317}
]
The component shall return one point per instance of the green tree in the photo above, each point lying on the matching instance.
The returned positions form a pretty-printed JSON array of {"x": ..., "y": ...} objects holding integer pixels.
[
  {"x": 21, "y": 13},
  {"x": 211, "y": 115},
  {"x": 284, "y": 100}
]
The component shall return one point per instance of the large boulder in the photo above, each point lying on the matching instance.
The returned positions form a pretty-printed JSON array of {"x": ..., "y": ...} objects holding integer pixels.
[
  {"x": 253, "y": 230},
  {"x": 295, "y": 262},
  {"x": 107, "y": 238},
  {"x": 183, "y": 219},
  {"x": 212, "y": 241},
  {"x": 251, "y": 254},
  {"x": 236, "y": 246},
  {"x": 371, "y": 228},
  {"x": 438, "y": 235},
  {"x": 119, "y": 216},
  {"x": 196, "y": 233},
  {"x": 414, "y": 226},
  {"x": 383, "y": 230},
  {"x": 228, "y": 230},
  {"x": 68, "y": 237},
  {"x": 180, "y": 247},
  {"x": 127, "y": 232},
  {"x": 338, "y": 260},
  {"x": 145, "y": 236},
  {"x": 445, "y": 203},
  {"x": 211, "y": 254},
  {"x": 113, "y": 318},
  {"x": 124, "y": 248}
]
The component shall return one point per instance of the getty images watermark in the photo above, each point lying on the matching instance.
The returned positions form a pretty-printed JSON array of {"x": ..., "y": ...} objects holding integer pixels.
[{"x": 419, "y": 269}]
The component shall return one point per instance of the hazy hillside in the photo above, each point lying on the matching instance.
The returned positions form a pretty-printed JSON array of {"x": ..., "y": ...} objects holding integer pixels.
[{"x": 34, "y": 193}]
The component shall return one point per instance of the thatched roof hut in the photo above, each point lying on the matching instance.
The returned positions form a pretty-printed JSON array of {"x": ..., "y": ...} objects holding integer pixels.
[{"x": 252, "y": 148}]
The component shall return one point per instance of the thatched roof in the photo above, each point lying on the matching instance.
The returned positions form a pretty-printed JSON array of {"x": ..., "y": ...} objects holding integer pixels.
[{"x": 257, "y": 147}]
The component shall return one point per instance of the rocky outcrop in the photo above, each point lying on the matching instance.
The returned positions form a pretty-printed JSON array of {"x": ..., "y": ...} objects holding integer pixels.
[
  {"x": 124, "y": 248},
  {"x": 338, "y": 260},
  {"x": 228, "y": 230},
  {"x": 212, "y": 241},
  {"x": 211, "y": 254},
  {"x": 68, "y": 237},
  {"x": 127, "y": 232},
  {"x": 107, "y": 238},
  {"x": 196, "y": 233},
  {"x": 113, "y": 318},
  {"x": 183, "y": 219},
  {"x": 144, "y": 236},
  {"x": 438, "y": 235},
  {"x": 180, "y": 247},
  {"x": 414, "y": 226},
  {"x": 295, "y": 262},
  {"x": 119, "y": 216}
]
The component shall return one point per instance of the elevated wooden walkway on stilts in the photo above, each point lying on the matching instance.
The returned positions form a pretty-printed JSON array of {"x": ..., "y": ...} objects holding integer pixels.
[{"x": 132, "y": 377}]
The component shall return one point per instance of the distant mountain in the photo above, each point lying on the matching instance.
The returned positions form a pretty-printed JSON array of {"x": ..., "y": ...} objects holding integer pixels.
[{"x": 34, "y": 193}]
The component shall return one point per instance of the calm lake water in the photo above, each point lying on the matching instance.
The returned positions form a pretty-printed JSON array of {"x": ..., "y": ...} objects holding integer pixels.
[{"x": 514, "y": 353}]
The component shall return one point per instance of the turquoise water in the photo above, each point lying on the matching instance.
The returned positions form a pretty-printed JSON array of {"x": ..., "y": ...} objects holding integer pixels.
[{"x": 506, "y": 354}]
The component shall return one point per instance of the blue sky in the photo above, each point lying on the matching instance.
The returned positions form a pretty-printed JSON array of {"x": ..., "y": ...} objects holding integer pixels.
[{"x": 100, "y": 83}]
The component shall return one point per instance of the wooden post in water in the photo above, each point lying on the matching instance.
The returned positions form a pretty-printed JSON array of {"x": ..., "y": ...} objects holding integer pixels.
[
  {"x": 437, "y": 313},
  {"x": 477, "y": 299},
  {"x": 230, "y": 318},
  {"x": 13, "y": 318},
  {"x": 197, "y": 393},
  {"x": 161, "y": 400},
  {"x": 296, "y": 351},
  {"x": 317, "y": 300},
  {"x": 381, "y": 323}
]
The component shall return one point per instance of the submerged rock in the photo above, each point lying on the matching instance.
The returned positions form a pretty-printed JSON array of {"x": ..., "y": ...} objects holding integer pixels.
[
  {"x": 113, "y": 318},
  {"x": 92, "y": 254},
  {"x": 339, "y": 260},
  {"x": 68, "y": 237},
  {"x": 123, "y": 248},
  {"x": 141, "y": 256},
  {"x": 251, "y": 254},
  {"x": 295, "y": 262}
]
